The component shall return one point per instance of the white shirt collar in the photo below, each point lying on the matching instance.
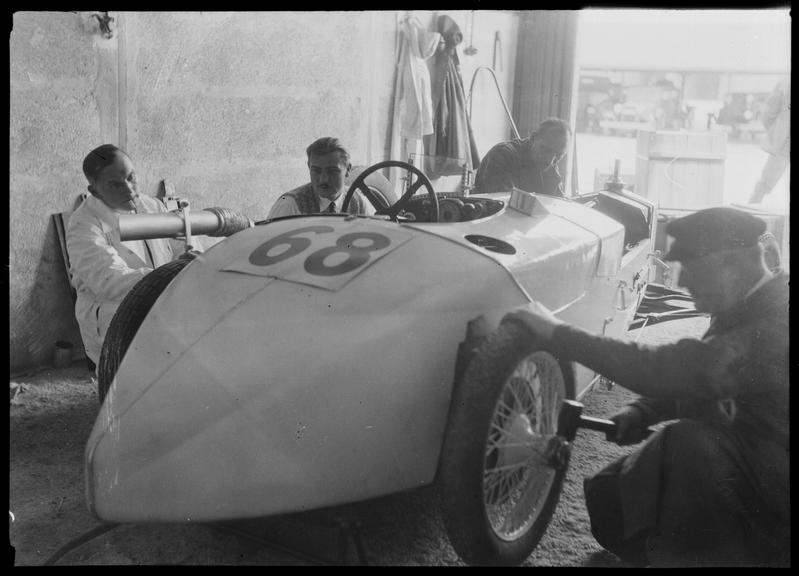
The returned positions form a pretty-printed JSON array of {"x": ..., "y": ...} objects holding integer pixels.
[
  {"x": 104, "y": 208},
  {"x": 324, "y": 203}
]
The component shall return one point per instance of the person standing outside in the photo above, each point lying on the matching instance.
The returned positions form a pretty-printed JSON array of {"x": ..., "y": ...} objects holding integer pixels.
[{"x": 777, "y": 120}]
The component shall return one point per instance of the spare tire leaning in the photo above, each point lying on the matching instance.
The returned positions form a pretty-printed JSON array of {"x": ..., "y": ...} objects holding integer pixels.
[{"x": 127, "y": 319}]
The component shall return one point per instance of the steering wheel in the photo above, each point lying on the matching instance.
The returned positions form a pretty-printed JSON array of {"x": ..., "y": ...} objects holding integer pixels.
[{"x": 380, "y": 207}]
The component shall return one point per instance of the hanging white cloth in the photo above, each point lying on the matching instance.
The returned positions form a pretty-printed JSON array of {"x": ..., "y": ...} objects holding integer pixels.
[
  {"x": 413, "y": 103},
  {"x": 414, "y": 88}
]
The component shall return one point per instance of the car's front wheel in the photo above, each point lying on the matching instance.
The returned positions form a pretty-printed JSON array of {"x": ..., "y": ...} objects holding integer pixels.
[
  {"x": 127, "y": 319},
  {"x": 498, "y": 473}
]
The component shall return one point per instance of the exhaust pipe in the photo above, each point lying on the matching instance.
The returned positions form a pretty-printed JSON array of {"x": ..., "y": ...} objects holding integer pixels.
[{"x": 207, "y": 222}]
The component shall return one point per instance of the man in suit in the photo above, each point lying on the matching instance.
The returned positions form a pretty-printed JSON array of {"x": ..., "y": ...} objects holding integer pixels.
[{"x": 329, "y": 166}]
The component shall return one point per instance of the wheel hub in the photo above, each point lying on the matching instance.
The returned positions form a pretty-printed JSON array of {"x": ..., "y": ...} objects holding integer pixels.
[
  {"x": 524, "y": 454},
  {"x": 516, "y": 445}
]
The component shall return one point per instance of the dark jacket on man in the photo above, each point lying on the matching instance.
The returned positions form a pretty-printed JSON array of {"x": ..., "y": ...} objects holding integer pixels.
[
  {"x": 733, "y": 386},
  {"x": 510, "y": 164}
]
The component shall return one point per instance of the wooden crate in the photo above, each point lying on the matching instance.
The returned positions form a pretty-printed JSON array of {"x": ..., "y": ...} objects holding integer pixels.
[{"x": 681, "y": 170}]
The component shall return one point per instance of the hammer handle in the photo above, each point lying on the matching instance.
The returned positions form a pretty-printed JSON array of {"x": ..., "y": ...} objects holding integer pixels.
[
  {"x": 602, "y": 425},
  {"x": 598, "y": 424}
]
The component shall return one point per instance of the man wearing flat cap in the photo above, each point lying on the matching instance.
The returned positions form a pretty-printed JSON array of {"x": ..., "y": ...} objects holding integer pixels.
[
  {"x": 103, "y": 268},
  {"x": 710, "y": 488}
]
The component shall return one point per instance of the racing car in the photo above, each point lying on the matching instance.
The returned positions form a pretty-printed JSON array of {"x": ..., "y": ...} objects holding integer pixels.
[{"x": 319, "y": 360}]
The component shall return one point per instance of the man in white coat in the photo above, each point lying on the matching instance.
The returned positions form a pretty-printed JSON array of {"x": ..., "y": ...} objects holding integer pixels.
[{"x": 103, "y": 267}]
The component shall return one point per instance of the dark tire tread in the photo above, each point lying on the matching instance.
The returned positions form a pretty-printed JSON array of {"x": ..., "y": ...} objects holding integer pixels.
[
  {"x": 128, "y": 318},
  {"x": 461, "y": 465}
]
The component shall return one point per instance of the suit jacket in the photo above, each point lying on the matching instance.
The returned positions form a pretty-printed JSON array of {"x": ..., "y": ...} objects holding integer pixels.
[{"x": 307, "y": 202}]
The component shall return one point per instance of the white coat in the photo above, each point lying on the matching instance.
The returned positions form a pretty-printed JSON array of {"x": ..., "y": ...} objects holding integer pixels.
[
  {"x": 103, "y": 268},
  {"x": 777, "y": 120}
]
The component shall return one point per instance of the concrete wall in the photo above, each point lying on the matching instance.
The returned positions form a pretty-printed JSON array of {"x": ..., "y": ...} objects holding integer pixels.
[
  {"x": 62, "y": 103},
  {"x": 222, "y": 105}
]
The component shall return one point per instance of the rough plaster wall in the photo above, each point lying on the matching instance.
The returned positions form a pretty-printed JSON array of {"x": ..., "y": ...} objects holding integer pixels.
[
  {"x": 62, "y": 98},
  {"x": 224, "y": 104},
  {"x": 221, "y": 104}
]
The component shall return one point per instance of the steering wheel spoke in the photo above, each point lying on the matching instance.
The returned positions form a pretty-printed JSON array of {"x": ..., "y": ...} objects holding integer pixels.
[
  {"x": 373, "y": 199},
  {"x": 393, "y": 211}
]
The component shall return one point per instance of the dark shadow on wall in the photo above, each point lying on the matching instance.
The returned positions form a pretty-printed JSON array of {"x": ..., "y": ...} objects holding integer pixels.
[{"x": 46, "y": 314}]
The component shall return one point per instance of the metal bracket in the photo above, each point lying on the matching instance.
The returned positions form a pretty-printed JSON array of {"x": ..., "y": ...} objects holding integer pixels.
[{"x": 184, "y": 209}]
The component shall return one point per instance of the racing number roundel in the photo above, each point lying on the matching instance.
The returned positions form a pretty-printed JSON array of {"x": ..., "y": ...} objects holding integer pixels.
[
  {"x": 357, "y": 255},
  {"x": 348, "y": 244},
  {"x": 316, "y": 254},
  {"x": 296, "y": 244}
]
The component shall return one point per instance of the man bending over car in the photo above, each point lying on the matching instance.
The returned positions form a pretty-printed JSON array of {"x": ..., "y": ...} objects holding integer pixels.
[
  {"x": 711, "y": 488},
  {"x": 530, "y": 164}
]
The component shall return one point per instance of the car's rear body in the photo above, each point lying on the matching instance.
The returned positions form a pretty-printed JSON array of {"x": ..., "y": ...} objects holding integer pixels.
[{"x": 310, "y": 361}]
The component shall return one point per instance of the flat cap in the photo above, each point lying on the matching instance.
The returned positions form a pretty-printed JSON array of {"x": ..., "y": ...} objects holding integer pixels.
[{"x": 711, "y": 230}]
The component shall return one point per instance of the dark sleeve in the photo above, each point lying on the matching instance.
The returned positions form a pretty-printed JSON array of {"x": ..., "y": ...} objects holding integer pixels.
[
  {"x": 553, "y": 183},
  {"x": 495, "y": 173},
  {"x": 689, "y": 369},
  {"x": 656, "y": 409}
]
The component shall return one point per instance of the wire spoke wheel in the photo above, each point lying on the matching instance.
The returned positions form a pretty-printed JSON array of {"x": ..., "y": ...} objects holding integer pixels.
[
  {"x": 498, "y": 479},
  {"x": 517, "y": 476}
]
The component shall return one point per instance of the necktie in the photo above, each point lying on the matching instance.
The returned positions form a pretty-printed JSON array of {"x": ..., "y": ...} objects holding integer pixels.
[{"x": 332, "y": 208}]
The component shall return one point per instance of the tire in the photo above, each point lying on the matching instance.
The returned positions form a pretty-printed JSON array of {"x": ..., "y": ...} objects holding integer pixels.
[
  {"x": 127, "y": 319},
  {"x": 512, "y": 390}
]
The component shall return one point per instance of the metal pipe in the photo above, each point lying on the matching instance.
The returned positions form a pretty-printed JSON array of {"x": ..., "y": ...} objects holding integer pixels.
[
  {"x": 166, "y": 225},
  {"x": 501, "y": 97}
]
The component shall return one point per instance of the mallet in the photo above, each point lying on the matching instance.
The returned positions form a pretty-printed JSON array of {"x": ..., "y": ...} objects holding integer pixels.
[{"x": 571, "y": 418}]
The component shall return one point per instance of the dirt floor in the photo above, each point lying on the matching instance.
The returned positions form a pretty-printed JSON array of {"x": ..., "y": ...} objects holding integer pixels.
[{"x": 52, "y": 413}]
